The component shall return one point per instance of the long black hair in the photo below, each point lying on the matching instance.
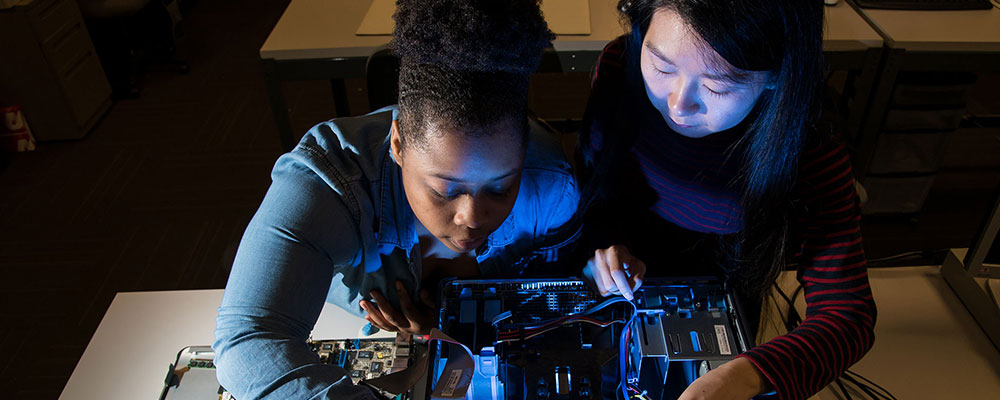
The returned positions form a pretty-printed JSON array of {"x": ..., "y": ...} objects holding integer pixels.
[
  {"x": 465, "y": 64},
  {"x": 779, "y": 36}
]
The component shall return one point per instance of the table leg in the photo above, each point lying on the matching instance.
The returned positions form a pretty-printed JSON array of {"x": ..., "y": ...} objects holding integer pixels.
[
  {"x": 878, "y": 103},
  {"x": 277, "y": 99},
  {"x": 863, "y": 89},
  {"x": 339, "y": 88}
]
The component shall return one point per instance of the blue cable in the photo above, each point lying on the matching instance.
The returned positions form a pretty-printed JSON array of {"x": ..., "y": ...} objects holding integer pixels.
[{"x": 623, "y": 353}]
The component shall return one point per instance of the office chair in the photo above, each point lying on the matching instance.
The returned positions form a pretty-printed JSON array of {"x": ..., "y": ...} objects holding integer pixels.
[{"x": 382, "y": 78}]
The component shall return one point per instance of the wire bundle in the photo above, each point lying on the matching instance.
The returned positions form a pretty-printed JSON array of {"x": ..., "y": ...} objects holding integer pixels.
[
  {"x": 636, "y": 394},
  {"x": 515, "y": 332},
  {"x": 871, "y": 389},
  {"x": 623, "y": 351}
]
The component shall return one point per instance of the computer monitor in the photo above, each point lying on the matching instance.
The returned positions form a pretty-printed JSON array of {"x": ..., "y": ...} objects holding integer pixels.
[{"x": 976, "y": 277}]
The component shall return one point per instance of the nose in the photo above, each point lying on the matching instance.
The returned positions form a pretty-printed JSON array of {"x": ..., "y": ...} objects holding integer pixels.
[
  {"x": 470, "y": 212},
  {"x": 683, "y": 100}
]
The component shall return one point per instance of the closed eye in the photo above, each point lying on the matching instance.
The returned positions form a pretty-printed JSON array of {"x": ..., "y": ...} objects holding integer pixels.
[
  {"x": 718, "y": 93},
  {"x": 443, "y": 196},
  {"x": 499, "y": 192}
]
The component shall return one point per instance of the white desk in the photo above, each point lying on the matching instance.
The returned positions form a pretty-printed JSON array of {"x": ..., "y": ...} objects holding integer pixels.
[
  {"x": 313, "y": 29},
  {"x": 847, "y": 31},
  {"x": 142, "y": 332},
  {"x": 315, "y": 39},
  {"x": 939, "y": 31},
  {"x": 927, "y": 346}
]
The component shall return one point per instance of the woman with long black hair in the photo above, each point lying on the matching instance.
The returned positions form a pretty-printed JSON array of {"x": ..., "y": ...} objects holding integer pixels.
[{"x": 700, "y": 156}]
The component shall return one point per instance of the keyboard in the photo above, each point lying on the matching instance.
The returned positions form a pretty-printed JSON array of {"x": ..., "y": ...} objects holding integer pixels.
[{"x": 926, "y": 4}]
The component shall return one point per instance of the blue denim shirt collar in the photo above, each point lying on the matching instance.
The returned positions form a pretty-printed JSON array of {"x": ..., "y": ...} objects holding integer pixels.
[{"x": 396, "y": 227}]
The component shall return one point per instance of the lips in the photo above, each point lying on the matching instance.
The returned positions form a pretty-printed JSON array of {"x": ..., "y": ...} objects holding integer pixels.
[
  {"x": 680, "y": 124},
  {"x": 469, "y": 244}
]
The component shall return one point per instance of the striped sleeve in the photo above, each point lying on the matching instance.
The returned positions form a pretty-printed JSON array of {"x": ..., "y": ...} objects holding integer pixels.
[{"x": 838, "y": 328}]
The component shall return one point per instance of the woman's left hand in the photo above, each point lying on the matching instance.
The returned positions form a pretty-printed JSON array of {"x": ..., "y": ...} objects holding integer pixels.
[
  {"x": 415, "y": 318},
  {"x": 615, "y": 271},
  {"x": 737, "y": 379}
]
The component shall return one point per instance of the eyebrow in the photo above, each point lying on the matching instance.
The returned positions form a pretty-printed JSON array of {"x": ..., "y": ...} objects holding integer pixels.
[
  {"x": 730, "y": 78},
  {"x": 454, "y": 179}
]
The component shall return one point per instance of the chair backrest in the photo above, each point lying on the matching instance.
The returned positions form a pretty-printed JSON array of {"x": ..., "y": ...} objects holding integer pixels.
[{"x": 382, "y": 78}]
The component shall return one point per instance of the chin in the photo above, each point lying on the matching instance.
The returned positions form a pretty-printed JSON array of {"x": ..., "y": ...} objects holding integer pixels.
[{"x": 696, "y": 134}]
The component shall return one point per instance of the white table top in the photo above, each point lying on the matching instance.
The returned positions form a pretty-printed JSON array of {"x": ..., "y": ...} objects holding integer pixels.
[
  {"x": 927, "y": 345},
  {"x": 142, "y": 332},
  {"x": 319, "y": 29},
  {"x": 940, "y": 31},
  {"x": 847, "y": 31}
]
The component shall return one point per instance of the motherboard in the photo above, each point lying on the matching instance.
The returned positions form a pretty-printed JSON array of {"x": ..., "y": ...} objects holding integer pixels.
[
  {"x": 558, "y": 339},
  {"x": 364, "y": 358}
]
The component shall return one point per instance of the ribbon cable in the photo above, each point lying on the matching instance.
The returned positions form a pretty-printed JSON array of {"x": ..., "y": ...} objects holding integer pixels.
[{"x": 452, "y": 384}]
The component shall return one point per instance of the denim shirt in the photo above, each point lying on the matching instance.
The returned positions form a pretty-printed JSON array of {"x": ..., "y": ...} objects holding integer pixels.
[{"x": 334, "y": 225}]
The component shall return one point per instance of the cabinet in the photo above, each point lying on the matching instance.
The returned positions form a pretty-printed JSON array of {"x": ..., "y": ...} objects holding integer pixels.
[{"x": 48, "y": 65}]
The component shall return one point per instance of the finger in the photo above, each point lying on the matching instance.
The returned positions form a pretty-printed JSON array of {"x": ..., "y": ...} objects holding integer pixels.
[
  {"x": 388, "y": 312},
  {"x": 590, "y": 272},
  {"x": 410, "y": 311},
  {"x": 601, "y": 271},
  {"x": 638, "y": 275},
  {"x": 375, "y": 324},
  {"x": 617, "y": 271},
  {"x": 376, "y": 317},
  {"x": 425, "y": 297}
]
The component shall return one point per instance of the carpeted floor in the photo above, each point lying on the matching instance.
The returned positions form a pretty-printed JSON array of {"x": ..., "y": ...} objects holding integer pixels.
[{"x": 157, "y": 197}]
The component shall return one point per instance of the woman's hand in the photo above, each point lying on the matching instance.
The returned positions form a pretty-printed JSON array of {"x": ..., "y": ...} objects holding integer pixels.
[
  {"x": 737, "y": 379},
  {"x": 615, "y": 271},
  {"x": 415, "y": 318}
]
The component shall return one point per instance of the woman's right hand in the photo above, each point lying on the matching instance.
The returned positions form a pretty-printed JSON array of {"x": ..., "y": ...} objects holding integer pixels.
[
  {"x": 615, "y": 271},
  {"x": 415, "y": 318}
]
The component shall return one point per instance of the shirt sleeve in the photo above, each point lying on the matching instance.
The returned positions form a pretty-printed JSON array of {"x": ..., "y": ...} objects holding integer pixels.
[
  {"x": 276, "y": 290},
  {"x": 838, "y": 328}
]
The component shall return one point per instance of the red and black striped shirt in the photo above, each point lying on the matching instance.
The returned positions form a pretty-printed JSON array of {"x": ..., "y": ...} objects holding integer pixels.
[{"x": 692, "y": 182}]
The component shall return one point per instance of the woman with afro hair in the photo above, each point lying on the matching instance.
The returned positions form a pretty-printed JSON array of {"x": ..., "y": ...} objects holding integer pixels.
[{"x": 367, "y": 211}]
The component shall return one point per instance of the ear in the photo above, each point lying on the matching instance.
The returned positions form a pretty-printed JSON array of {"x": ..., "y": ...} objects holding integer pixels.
[{"x": 396, "y": 144}]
